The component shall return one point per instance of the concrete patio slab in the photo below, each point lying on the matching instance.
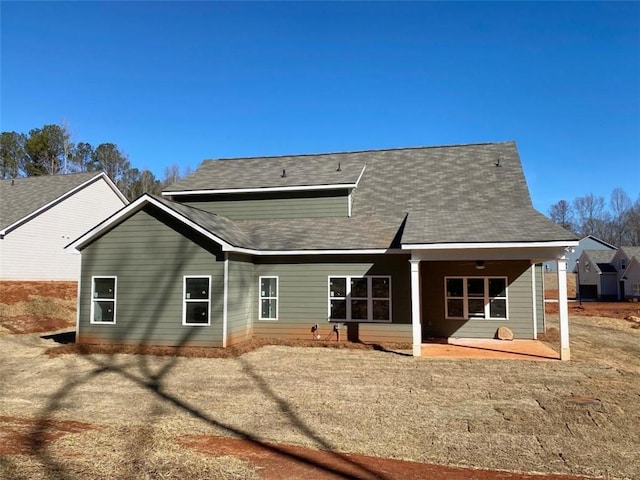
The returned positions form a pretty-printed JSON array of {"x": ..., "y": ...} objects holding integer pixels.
[{"x": 498, "y": 349}]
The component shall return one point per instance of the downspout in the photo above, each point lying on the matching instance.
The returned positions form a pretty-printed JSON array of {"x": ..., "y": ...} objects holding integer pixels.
[{"x": 225, "y": 297}]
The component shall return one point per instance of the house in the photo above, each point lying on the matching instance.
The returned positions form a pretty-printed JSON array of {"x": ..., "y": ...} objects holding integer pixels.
[
  {"x": 586, "y": 243},
  {"x": 597, "y": 277},
  {"x": 627, "y": 262},
  {"x": 391, "y": 245},
  {"x": 39, "y": 216}
]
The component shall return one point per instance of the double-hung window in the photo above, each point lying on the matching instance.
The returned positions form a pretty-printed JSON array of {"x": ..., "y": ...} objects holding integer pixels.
[
  {"x": 476, "y": 297},
  {"x": 196, "y": 297},
  {"x": 636, "y": 289},
  {"x": 268, "y": 298},
  {"x": 360, "y": 299},
  {"x": 103, "y": 299}
]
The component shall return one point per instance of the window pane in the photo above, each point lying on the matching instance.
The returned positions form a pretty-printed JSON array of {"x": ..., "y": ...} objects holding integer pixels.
[
  {"x": 269, "y": 287},
  {"x": 197, "y": 288},
  {"x": 455, "y": 308},
  {"x": 359, "y": 310},
  {"x": 381, "y": 309},
  {"x": 103, "y": 311},
  {"x": 104, "y": 288},
  {"x": 497, "y": 287},
  {"x": 475, "y": 287},
  {"x": 359, "y": 287},
  {"x": 476, "y": 307},
  {"x": 498, "y": 308},
  {"x": 455, "y": 287},
  {"x": 268, "y": 308},
  {"x": 197, "y": 312},
  {"x": 337, "y": 287},
  {"x": 338, "y": 309},
  {"x": 380, "y": 287}
]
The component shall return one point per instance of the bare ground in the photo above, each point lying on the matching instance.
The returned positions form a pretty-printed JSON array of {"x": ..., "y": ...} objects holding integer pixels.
[{"x": 122, "y": 416}]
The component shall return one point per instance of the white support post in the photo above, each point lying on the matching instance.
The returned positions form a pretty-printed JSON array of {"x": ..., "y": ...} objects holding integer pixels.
[
  {"x": 534, "y": 297},
  {"x": 415, "y": 308},
  {"x": 563, "y": 309}
]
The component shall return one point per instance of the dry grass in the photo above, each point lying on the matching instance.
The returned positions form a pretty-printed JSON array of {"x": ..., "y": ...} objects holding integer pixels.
[{"x": 500, "y": 414}]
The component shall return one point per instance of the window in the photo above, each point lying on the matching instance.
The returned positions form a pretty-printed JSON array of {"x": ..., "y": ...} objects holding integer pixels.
[
  {"x": 364, "y": 299},
  {"x": 103, "y": 296},
  {"x": 268, "y": 298},
  {"x": 196, "y": 300},
  {"x": 636, "y": 289},
  {"x": 623, "y": 264},
  {"x": 476, "y": 297}
]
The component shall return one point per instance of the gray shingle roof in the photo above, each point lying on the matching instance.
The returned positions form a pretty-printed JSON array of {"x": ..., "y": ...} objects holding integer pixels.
[
  {"x": 22, "y": 196},
  {"x": 602, "y": 259},
  {"x": 452, "y": 194},
  {"x": 631, "y": 252},
  {"x": 267, "y": 172}
]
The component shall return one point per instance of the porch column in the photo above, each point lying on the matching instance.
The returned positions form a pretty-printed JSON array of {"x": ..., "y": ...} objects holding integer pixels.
[
  {"x": 415, "y": 308},
  {"x": 563, "y": 309}
]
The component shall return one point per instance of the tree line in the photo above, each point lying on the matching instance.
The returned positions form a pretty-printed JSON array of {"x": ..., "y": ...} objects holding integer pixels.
[
  {"x": 50, "y": 151},
  {"x": 616, "y": 222}
]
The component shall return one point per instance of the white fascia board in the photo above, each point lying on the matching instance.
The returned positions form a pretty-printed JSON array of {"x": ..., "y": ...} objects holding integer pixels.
[
  {"x": 372, "y": 251},
  {"x": 66, "y": 195},
  {"x": 473, "y": 246},
  {"x": 364, "y": 167},
  {"x": 134, "y": 207},
  {"x": 113, "y": 187},
  {"x": 295, "y": 188}
]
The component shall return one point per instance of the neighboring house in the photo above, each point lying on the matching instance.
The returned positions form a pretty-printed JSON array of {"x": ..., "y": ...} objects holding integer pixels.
[
  {"x": 627, "y": 262},
  {"x": 597, "y": 276},
  {"x": 391, "y": 245},
  {"x": 39, "y": 216},
  {"x": 587, "y": 243}
]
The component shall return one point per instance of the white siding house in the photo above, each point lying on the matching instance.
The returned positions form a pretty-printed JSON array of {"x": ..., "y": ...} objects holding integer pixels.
[{"x": 39, "y": 216}]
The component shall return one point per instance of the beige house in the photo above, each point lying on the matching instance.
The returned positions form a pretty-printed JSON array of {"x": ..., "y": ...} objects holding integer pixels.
[{"x": 40, "y": 215}]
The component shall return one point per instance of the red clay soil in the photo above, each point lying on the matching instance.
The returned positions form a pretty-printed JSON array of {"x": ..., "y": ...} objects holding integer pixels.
[
  {"x": 287, "y": 462},
  {"x": 619, "y": 310},
  {"x": 22, "y": 436},
  {"x": 15, "y": 292}
]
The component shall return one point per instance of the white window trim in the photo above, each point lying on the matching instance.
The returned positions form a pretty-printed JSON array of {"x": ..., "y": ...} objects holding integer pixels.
[
  {"x": 623, "y": 264},
  {"x": 635, "y": 289},
  {"x": 276, "y": 298},
  {"x": 369, "y": 299},
  {"x": 466, "y": 298},
  {"x": 195, "y": 300},
  {"x": 94, "y": 300}
]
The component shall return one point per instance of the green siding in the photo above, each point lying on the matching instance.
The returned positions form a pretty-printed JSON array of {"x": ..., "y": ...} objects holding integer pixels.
[
  {"x": 275, "y": 205},
  {"x": 149, "y": 254},
  {"x": 303, "y": 295},
  {"x": 520, "y": 304},
  {"x": 242, "y": 299}
]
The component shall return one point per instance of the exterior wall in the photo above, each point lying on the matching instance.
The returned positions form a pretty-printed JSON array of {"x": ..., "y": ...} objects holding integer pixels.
[
  {"x": 303, "y": 295},
  {"x": 150, "y": 253},
  {"x": 519, "y": 301},
  {"x": 633, "y": 276},
  {"x": 241, "y": 299},
  {"x": 274, "y": 205},
  {"x": 35, "y": 250},
  {"x": 589, "y": 280}
]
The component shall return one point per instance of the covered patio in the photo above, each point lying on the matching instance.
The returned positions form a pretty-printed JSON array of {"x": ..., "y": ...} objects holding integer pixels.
[{"x": 489, "y": 349}]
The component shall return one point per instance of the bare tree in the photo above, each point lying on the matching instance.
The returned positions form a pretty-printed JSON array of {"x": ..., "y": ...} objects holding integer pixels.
[
  {"x": 591, "y": 216},
  {"x": 562, "y": 214},
  {"x": 620, "y": 205}
]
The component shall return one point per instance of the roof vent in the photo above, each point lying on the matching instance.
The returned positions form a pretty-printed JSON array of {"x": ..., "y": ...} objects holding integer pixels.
[
  {"x": 497, "y": 162},
  {"x": 338, "y": 169},
  {"x": 13, "y": 182},
  {"x": 284, "y": 173}
]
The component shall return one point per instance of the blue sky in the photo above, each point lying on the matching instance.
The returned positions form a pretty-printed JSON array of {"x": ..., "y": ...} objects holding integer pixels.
[{"x": 179, "y": 82}]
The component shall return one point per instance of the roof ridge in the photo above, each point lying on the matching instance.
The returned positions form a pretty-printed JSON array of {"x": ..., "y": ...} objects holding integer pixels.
[{"x": 348, "y": 152}]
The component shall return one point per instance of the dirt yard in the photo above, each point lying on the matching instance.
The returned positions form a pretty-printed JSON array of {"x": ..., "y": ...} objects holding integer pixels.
[{"x": 339, "y": 412}]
